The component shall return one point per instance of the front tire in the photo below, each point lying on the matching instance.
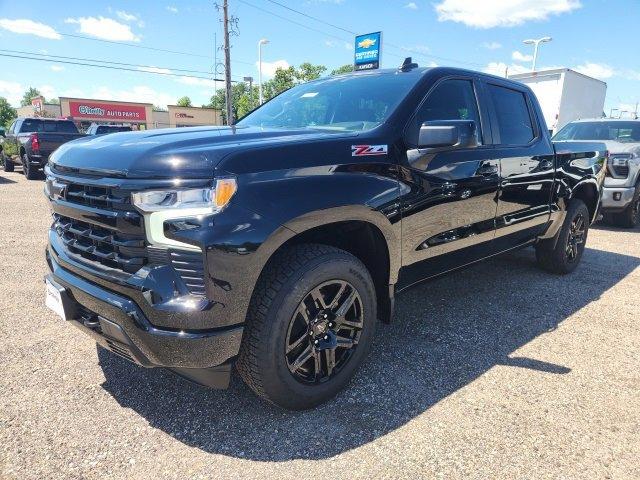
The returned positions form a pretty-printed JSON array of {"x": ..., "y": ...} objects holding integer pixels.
[
  {"x": 7, "y": 164},
  {"x": 565, "y": 255},
  {"x": 309, "y": 327}
]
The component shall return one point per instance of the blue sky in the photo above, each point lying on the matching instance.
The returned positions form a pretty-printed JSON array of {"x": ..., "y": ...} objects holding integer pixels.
[{"x": 597, "y": 37}]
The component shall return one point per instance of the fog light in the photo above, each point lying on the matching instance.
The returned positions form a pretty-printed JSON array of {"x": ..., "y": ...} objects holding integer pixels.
[{"x": 617, "y": 196}]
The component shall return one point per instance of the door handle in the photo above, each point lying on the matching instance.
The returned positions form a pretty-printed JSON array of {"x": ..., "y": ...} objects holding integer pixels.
[{"x": 487, "y": 170}]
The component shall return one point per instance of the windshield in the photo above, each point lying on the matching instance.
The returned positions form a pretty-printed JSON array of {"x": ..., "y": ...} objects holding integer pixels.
[
  {"x": 618, "y": 131},
  {"x": 351, "y": 103}
]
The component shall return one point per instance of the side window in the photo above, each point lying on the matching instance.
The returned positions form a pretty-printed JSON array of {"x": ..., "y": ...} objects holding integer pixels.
[
  {"x": 12, "y": 129},
  {"x": 450, "y": 100},
  {"x": 513, "y": 116}
]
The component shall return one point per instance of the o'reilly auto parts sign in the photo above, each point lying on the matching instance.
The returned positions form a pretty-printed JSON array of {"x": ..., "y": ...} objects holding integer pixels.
[
  {"x": 367, "y": 51},
  {"x": 107, "y": 111}
]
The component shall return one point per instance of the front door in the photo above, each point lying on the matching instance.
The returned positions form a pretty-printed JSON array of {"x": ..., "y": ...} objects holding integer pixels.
[{"x": 449, "y": 206}]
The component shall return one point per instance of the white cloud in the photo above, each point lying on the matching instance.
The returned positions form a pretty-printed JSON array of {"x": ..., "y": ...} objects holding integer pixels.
[
  {"x": 12, "y": 91},
  {"x": 411, "y": 6},
  {"x": 203, "y": 82},
  {"x": 127, "y": 17},
  {"x": 139, "y": 93},
  {"x": 172, "y": 9},
  {"x": 269, "y": 68},
  {"x": 501, "y": 13},
  {"x": 29, "y": 27},
  {"x": 492, "y": 45},
  {"x": 596, "y": 70},
  {"x": 57, "y": 68},
  {"x": 153, "y": 69},
  {"x": 417, "y": 49},
  {"x": 521, "y": 57},
  {"x": 500, "y": 68},
  {"x": 104, "y": 28}
]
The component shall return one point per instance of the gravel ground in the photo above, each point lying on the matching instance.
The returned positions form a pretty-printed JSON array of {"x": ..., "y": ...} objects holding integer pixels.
[{"x": 498, "y": 371}]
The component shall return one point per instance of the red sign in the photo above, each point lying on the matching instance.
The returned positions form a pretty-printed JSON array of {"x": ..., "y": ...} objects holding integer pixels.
[
  {"x": 37, "y": 102},
  {"x": 107, "y": 111}
]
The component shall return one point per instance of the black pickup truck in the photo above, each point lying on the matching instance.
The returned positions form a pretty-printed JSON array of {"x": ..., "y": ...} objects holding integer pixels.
[
  {"x": 30, "y": 141},
  {"x": 275, "y": 244}
]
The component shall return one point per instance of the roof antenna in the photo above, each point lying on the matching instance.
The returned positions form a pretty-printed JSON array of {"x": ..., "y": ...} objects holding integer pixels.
[{"x": 407, "y": 65}]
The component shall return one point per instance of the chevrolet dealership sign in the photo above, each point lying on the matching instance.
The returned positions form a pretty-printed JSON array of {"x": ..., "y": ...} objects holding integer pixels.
[{"x": 367, "y": 51}]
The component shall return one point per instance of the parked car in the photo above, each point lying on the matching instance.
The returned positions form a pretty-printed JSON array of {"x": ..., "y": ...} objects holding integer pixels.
[
  {"x": 277, "y": 243},
  {"x": 96, "y": 129},
  {"x": 621, "y": 193},
  {"x": 30, "y": 141}
]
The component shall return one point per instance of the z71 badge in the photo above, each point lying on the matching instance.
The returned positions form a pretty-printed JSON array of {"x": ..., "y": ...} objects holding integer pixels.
[{"x": 361, "y": 150}]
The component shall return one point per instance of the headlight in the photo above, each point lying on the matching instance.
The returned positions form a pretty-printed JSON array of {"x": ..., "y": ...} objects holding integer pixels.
[
  {"x": 159, "y": 206},
  {"x": 208, "y": 199}
]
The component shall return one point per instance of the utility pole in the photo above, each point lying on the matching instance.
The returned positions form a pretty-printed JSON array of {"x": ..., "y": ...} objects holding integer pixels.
[{"x": 227, "y": 64}]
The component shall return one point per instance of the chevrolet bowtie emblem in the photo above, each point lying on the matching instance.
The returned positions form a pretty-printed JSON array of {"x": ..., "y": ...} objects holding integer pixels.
[{"x": 366, "y": 43}]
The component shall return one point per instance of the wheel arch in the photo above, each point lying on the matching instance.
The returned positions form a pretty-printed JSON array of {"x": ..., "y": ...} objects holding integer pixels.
[
  {"x": 364, "y": 235},
  {"x": 589, "y": 193}
]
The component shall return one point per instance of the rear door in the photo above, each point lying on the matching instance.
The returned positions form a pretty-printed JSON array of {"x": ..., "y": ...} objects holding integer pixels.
[
  {"x": 449, "y": 209},
  {"x": 526, "y": 161}
]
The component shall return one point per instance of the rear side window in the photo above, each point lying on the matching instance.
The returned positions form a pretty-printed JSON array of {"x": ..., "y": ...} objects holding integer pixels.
[
  {"x": 450, "y": 100},
  {"x": 60, "y": 127},
  {"x": 31, "y": 125},
  {"x": 513, "y": 117}
]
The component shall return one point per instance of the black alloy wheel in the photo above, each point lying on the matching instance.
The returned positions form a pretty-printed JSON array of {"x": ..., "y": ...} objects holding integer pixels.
[
  {"x": 576, "y": 237},
  {"x": 310, "y": 325},
  {"x": 324, "y": 332}
]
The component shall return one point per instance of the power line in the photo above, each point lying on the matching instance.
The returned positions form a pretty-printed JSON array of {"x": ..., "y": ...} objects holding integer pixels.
[
  {"x": 113, "y": 67},
  {"x": 145, "y": 47},
  {"x": 173, "y": 69},
  {"x": 405, "y": 49}
]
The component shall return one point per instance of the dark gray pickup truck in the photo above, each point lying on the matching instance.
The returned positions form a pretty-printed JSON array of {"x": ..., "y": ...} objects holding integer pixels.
[{"x": 30, "y": 141}]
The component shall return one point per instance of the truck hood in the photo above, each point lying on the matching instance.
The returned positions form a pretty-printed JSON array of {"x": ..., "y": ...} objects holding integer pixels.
[
  {"x": 191, "y": 152},
  {"x": 621, "y": 147}
]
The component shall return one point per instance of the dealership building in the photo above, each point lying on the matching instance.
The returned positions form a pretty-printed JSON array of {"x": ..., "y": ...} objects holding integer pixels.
[{"x": 140, "y": 116}]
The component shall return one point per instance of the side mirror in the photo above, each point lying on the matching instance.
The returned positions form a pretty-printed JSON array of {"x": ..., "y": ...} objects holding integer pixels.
[{"x": 448, "y": 134}]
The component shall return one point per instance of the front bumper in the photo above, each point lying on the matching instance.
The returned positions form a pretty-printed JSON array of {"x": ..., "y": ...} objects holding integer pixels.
[
  {"x": 117, "y": 323},
  {"x": 616, "y": 198}
]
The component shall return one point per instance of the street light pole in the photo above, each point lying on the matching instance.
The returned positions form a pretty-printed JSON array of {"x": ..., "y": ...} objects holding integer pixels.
[
  {"x": 264, "y": 41},
  {"x": 536, "y": 43}
]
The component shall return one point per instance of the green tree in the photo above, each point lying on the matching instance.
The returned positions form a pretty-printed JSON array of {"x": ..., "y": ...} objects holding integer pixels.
[
  {"x": 184, "y": 102},
  {"x": 7, "y": 113},
  {"x": 53, "y": 101},
  {"x": 285, "y": 78},
  {"x": 28, "y": 95},
  {"x": 243, "y": 100},
  {"x": 343, "y": 69},
  {"x": 158, "y": 108}
]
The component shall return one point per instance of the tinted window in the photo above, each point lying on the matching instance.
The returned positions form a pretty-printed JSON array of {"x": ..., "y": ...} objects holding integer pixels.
[
  {"x": 514, "y": 119},
  {"x": 450, "y": 100},
  {"x": 349, "y": 103},
  {"x": 55, "y": 126},
  {"x": 620, "y": 131}
]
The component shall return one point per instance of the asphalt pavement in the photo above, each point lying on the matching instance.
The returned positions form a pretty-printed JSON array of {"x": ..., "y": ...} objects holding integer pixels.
[{"x": 497, "y": 371}]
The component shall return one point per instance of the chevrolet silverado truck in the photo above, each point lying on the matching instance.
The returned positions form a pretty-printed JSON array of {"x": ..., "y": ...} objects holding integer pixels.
[
  {"x": 30, "y": 141},
  {"x": 277, "y": 243},
  {"x": 621, "y": 192}
]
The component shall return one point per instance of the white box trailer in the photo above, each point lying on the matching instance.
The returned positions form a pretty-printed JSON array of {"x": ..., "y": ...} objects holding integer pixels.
[{"x": 565, "y": 95}]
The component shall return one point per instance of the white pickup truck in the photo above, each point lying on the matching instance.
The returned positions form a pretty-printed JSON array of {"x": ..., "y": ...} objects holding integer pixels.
[{"x": 621, "y": 193}]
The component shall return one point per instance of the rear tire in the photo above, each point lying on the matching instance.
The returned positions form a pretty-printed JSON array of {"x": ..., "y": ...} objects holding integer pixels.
[
  {"x": 29, "y": 171},
  {"x": 8, "y": 165},
  {"x": 630, "y": 216},
  {"x": 565, "y": 255},
  {"x": 289, "y": 296}
]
